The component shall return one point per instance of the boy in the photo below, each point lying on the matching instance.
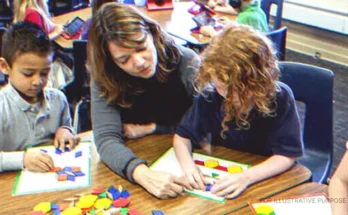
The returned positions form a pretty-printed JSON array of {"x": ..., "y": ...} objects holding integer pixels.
[
  {"x": 29, "y": 114},
  {"x": 249, "y": 13}
]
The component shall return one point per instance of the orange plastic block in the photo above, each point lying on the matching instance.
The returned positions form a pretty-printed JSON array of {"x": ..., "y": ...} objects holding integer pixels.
[
  {"x": 76, "y": 169},
  {"x": 56, "y": 169},
  {"x": 98, "y": 190},
  {"x": 121, "y": 202},
  {"x": 62, "y": 177},
  {"x": 234, "y": 169},
  {"x": 211, "y": 163}
]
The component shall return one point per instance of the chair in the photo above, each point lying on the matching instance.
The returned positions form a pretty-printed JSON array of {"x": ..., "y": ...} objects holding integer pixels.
[
  {"x": 78, "y": 91},
  {"x": 314, "y": 87},
  {"x": 266, "y": 7},
  {"x": 6, "y": 14},
  {"x": 3, "y": 78},
  {"x": 278, "y": 37}
]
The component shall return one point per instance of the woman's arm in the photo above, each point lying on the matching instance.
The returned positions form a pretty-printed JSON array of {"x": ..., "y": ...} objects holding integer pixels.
[
  {"x": 338, "y": 188},
  {"x": 107, "y": 131}
]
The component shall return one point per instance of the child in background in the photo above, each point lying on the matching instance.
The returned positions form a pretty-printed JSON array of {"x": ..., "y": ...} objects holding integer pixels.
[
  {"x": 29, "y": 114},
  {"x": 95, "y": 6},
  {"x": 36, "y": 11},
  {"x": 244, "y": 107},
  {"x": 338, "y": 187},
  {"x": 249, "y": 13}
]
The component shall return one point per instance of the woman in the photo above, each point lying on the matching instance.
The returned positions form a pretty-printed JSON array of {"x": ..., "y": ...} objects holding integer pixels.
[{"x": 141, "y": 84}]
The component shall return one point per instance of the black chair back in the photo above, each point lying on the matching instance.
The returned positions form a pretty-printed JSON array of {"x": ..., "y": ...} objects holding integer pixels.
[
  {"x": 3, "y": 78},
  {"x": 266, "y": 7},
  {"x": 314, "y": 87},
  {"x": 278, "y": 37}
]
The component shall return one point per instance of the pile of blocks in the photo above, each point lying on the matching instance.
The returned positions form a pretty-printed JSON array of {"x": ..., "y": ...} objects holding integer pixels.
[
  {"x": 99, "y": 202},
  {"x": 214, "y": 164},
  {"x": 67, "y": 173}
]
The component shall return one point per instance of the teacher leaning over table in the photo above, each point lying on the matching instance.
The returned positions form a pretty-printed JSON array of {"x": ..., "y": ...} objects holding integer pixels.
[{"x": 141, "y": 85}]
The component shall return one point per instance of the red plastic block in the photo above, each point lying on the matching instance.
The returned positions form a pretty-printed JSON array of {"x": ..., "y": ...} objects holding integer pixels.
[
  {"x": 198, "y": 162},
  {"x": 132, "y": 211},
  {"x": 98, "y": 190},
  {"x": 121, "y": 203},
  {"x": 223, "y": 168}
]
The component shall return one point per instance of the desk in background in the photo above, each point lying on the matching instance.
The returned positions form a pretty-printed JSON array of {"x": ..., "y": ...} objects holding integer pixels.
[
  {"x": 140, "y": 199},
  {"x": 177, "y": 22}
]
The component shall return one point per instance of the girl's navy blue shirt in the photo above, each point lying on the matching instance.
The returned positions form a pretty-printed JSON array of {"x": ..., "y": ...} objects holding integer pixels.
[{"x": 267, "y": 135}]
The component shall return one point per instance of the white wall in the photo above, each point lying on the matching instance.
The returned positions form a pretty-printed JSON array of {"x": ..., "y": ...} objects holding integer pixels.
[{"x": 327, "y": 14}]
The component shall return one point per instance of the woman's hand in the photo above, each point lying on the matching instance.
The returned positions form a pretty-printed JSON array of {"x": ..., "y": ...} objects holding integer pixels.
[
  {"x": 231, "y": 186},
  {"x": 160, "y": 184},
  {"x": 133, "y": 131},
  {"x": 37, "y": 161}
]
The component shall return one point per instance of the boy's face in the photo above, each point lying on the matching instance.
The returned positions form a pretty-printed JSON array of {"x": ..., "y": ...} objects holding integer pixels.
[{"x": 29, "y": 74}]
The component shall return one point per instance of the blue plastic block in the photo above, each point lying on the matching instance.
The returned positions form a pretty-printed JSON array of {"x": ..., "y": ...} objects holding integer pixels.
[
  {"x": 114, "y": 192},
  {"x": 79, "y": 174},
  {"x": 125, "y": 194},
  {"x": 157, "y": 212},
  {"x": 68, "y": 169},
  {"x": 71, "y": 178},
  {"x": 58, "y": 152},
  {"x": 78, "y": 154},
  {"x": 54, "y": 206},
  {"x": 66, "y": 149},
  {"x": 43, "y": 150},
  {"x": 208, "y": 187},
  {"x": 56, "y": 212}
]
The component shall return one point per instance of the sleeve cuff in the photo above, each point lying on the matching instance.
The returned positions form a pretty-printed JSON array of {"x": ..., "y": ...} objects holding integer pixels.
[
  {"x": 131, "y": 166},
  {"x": 69, "y": 128},
  {"x": 164, "y": 129},
  {"x": 12, "y": 160}
]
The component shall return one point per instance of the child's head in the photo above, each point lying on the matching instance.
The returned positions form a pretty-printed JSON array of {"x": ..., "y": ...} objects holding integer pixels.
[
  {"x": 242, "y": 65},
  {"x": 26, "y": 58},
  {"x": 237, "y": 4},
  {"x": 20, "y": 7}
]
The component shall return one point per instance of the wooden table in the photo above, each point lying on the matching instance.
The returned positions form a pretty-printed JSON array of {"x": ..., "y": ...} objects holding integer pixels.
[
  {"x": 155, "y": 145},
  {"x": 303, "y": 189},
  {"x": 177, "y": 22}
]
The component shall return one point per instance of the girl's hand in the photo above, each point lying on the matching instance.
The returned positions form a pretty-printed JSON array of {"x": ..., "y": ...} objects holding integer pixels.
[
  {"x": 133, "y": 131},
  {"x": 194, "y": 177},
  {"x": 212, "y": 3},
  {"x": 231, "y": 186},
  {"x": 64, "y": 138},
  {"x": 38, "y": 161}
]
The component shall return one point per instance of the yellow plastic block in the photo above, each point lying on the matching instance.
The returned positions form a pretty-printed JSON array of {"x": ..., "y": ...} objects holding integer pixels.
[
  {"x": 264, "y": 210},
  {"x": 119, "y": 188},
  {"x": 43, "y": 206},
  {"x": 234, "y": 169},
  {"x": 103, "y": 203},
  {"x": 86, "y": 201},
  {"x": 72, "y": 211},
  {"x": 211, "y": 163}
]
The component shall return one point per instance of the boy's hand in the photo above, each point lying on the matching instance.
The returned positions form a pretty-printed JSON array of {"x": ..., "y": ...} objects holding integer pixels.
[
  {"x": 38, "y": 161},
  {"x": 133, "y": 131},
  {"x": 64, "y": 137},
  {"x": 231, "y": 185}
]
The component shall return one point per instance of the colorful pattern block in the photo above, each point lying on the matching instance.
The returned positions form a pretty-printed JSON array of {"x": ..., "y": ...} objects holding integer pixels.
[
  {"x": 114, "y": 193},
  {"x": 208, "y": 187},
  {"x": 264, "y": 210},
  {"x": 124, "y": 211},
  {"x": 43, "y": 207},
  {"x": 77, "y": 174},
  {"x": 103, "y": 203},
  {"x": 98, "y": 191},
  {"x": 157, "y": 212},
  {"x": 78, "y": 154},
  {"x": 66, "y": 149},
  {"x": 211, "y": 163},
  {"x": 71, "y": 178},
  {"x": 72, "y": 211},
  {"x": 125, "y": 194},
  {"x": 222, "y": 168},
  {"x": 133, "y": 211},
  {"x": 58, "y": 151},
  {"x": 234, "y": 169},
  {"x": 62, "y": 176},
  {"x": 198, "y": 162},
  {"x": 121, "y": 203},
  {"x": 215, "y": 175},
  {"x": 43, "y": 150}
]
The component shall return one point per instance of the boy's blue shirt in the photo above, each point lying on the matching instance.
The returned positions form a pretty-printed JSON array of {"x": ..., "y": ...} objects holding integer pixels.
[
  {"x": 23, "y": 124},
  {"x": 266, "y": 136}
]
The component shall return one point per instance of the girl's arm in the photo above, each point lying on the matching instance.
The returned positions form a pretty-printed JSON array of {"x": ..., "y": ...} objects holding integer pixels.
[
  {"x": 338, "y": 188},
  {"x": 183, "y": 148},
  {"x": 233, "y": 185}
]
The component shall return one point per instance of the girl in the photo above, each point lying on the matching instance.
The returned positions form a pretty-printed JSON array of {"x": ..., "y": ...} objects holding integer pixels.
[
  {"x": 36, "y": 11},
  {"x": 141, "y": 85},
  {"x": 244, "y": 107}
]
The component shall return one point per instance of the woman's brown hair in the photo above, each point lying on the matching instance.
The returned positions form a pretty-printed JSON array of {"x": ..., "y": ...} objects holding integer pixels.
[
  {"x": 245, "y": 61},
  {"x": 118, "y": 23}
]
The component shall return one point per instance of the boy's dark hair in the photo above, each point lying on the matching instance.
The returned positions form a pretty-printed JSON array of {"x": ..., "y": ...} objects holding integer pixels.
[{"x": 24, "y": 37}]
